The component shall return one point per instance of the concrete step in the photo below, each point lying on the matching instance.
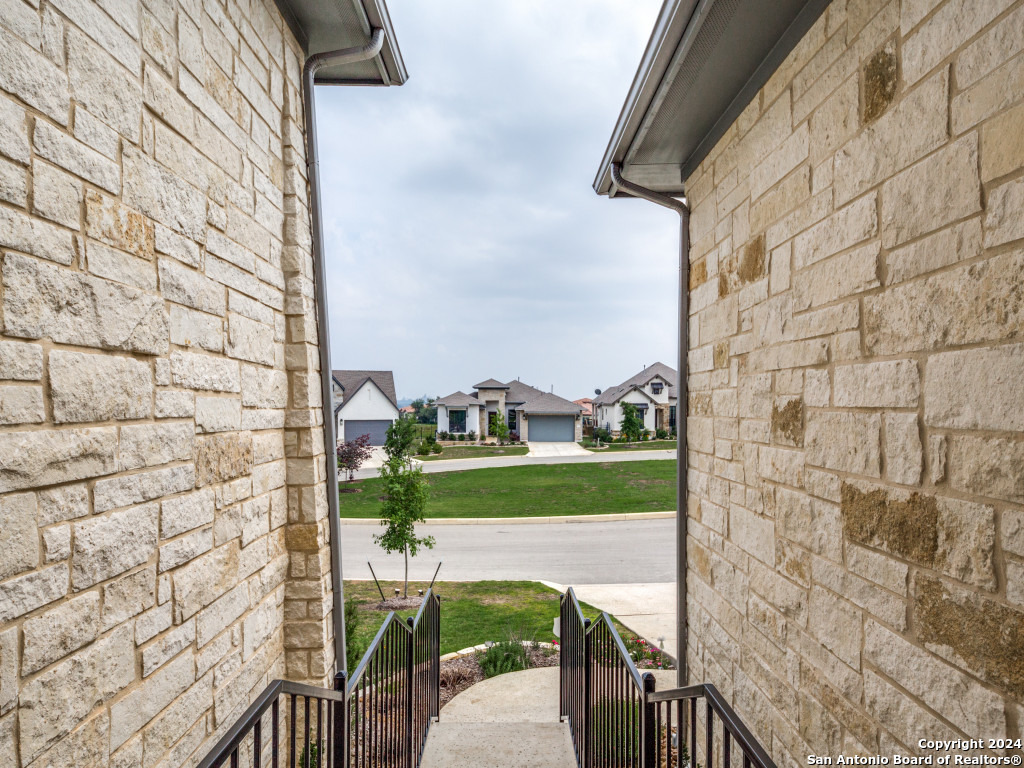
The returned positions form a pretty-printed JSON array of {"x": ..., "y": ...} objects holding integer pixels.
[{"x": 498, "y": 745}]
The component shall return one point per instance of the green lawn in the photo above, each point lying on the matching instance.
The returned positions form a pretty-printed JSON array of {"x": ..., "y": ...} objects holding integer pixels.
[
  {"x": 535, "y": 490},
  {"x": 472, "y": 612},
  {"x": 476, "y": 452},
  {"x": 650, "y": 445}
]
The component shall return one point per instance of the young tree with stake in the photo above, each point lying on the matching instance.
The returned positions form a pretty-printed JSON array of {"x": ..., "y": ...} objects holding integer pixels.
[{"x": 404, "y": 496}]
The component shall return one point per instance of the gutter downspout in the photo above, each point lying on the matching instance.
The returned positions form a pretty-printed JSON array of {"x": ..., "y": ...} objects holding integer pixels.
[
  {"x": 682, "y": 401},
  {"x": 313, "y": 64}
]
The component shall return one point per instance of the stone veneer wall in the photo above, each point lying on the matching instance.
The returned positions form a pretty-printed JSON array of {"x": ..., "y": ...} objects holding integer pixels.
[
  {"x": 163, "y": 517},
  {"x": 856, "y": 551}
]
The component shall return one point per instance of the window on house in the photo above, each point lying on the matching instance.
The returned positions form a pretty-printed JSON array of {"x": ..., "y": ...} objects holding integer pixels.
[
  {"x": 671, "y": 417},
  {"x": 656, "y": 387},
  {"x": 457, "y": 421},
  {"x": 512, "y": 425}
]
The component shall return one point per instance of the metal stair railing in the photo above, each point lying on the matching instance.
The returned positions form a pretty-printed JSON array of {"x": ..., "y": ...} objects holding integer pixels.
[
  {"x": 618, "y": 720},
  {"x": 380, "y": 718}
]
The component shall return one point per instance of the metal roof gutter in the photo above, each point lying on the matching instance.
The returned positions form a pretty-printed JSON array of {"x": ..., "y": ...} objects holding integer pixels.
[
  {"x": 661, "y": 51},
  {"x": 705, "y": 61},
  {"x": 682, "y": 400},
  {"x": 309, "y": 71}
]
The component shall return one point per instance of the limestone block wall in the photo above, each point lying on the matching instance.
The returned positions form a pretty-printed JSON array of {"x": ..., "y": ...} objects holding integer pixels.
[
  {"x": 856, "y": 416},
  {"x": 163, "y": 521}
]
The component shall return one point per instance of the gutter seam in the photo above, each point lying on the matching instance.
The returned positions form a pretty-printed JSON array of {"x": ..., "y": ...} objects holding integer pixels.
[
  {"x": 682, "y": 402},
  {"x": 309, "y": 70}
]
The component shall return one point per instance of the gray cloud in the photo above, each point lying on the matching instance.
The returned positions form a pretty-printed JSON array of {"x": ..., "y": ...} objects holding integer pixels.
[{"x": 463, "y": 237}]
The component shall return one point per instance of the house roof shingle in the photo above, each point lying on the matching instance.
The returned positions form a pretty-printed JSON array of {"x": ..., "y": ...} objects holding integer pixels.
[
  {"x": 351, "y": 381},
  {"x": 612, "y": 394},
  {"x": 518, "y": 392},
  {"x": 458, "y": 400},
  {"x": 549, "y": 403},
  {"x": 490, "y": 384},
  {"x": 526, "y": 398}
]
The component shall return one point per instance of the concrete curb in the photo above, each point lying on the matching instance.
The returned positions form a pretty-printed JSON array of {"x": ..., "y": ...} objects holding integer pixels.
[{"x": 552, "y": 520}]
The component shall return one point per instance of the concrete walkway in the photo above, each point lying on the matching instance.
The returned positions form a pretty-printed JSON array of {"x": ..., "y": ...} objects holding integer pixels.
[
  {"x": 509, "y": 720},
  {"x": 588, "y": 457}
]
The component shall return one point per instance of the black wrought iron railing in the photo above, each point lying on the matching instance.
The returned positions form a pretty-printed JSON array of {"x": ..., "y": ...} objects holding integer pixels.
[
  {"x": 379, "y": 718},
  {"x": 618, "y": 720}
]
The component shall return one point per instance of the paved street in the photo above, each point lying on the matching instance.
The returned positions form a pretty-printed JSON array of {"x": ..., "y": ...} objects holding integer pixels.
[
  {"x": 629, "y": 552},
  {"x": 458, "y": 465}
]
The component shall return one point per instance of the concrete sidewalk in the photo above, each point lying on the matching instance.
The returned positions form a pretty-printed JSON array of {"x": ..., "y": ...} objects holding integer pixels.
[
  {"x": 460, "y": 465},
  {"x": 647, "y": 609}
]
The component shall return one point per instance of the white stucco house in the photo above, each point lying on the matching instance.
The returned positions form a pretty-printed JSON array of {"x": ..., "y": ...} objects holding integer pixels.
[
  {"x": 533, "y": 414},
  {"x": 364, "y": 404},
  {"x": 652, "y": 391}
]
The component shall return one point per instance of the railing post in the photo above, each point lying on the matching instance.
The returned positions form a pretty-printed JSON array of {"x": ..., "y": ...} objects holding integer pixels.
[
  {"x": 410, "y": 680},
  {"x": 648, "y": 733},
  {"x": 340, "y": 724},
  {"x": 587, "y": 747}
]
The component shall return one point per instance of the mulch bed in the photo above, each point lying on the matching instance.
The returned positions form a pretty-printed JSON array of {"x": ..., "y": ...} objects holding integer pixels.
[{"x": 398, "y": 603}]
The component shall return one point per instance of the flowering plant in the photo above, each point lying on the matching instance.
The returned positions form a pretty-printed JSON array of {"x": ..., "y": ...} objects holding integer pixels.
[{"x": 645, "y": 655}]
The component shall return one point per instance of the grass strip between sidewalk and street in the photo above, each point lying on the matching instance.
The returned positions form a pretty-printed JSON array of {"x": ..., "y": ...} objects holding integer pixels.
[
  {"x": 533, "y": 491},
  {"x": 475, "y": 452},
  {"x": 472, "y": 612}
]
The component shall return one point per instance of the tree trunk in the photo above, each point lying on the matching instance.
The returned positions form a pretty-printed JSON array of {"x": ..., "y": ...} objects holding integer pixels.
[{"x": 406, "y": 571}]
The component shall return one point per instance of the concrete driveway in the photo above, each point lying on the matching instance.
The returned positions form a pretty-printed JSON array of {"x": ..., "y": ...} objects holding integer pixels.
[{"x": 546, "y": 450}]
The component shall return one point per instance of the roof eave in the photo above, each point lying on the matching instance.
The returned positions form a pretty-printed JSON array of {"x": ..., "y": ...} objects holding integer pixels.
[
  {"x": 371, "y": 14},
  {"x": 668, "y": 50}
]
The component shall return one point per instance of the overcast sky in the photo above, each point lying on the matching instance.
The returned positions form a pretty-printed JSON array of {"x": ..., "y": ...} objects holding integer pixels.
[{"x": 463, "y": 238}]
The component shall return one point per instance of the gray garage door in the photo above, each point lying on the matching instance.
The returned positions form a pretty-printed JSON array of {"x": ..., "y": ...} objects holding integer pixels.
[
  {"x": 376, "y": 429},
  {"x": 552, "y": 429}
]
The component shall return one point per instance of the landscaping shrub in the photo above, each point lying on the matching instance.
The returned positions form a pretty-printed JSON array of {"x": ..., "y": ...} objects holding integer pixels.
[
  {"x": 446, "y": 435},
  {"x": 471, "y": 436},
  {"x": 431, "y": 439},
  {"x": 603, "y": 435},
  {"x": 661, "y": 434},
  {"x": 504, "y": 656},
  {"x": 423, "y": 449},
  {"x": 647, "y": 435},
  {"x": 462, "y": 437},
  {"x": 436, "y": 448},
  {"x": 513, "y": 436},
  {"x": 354, "y": 647}
]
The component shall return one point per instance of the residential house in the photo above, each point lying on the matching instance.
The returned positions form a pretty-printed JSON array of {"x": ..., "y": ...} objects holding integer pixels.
[
  {"x": 586, "y": 405},
  {"x": 652, "y": 391},
  {"x": 168, "y": 520},
  {"x": 849, "y": 180},
  {"x": 364, "y": 404},
  {"x": 533, "y": 414}
]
